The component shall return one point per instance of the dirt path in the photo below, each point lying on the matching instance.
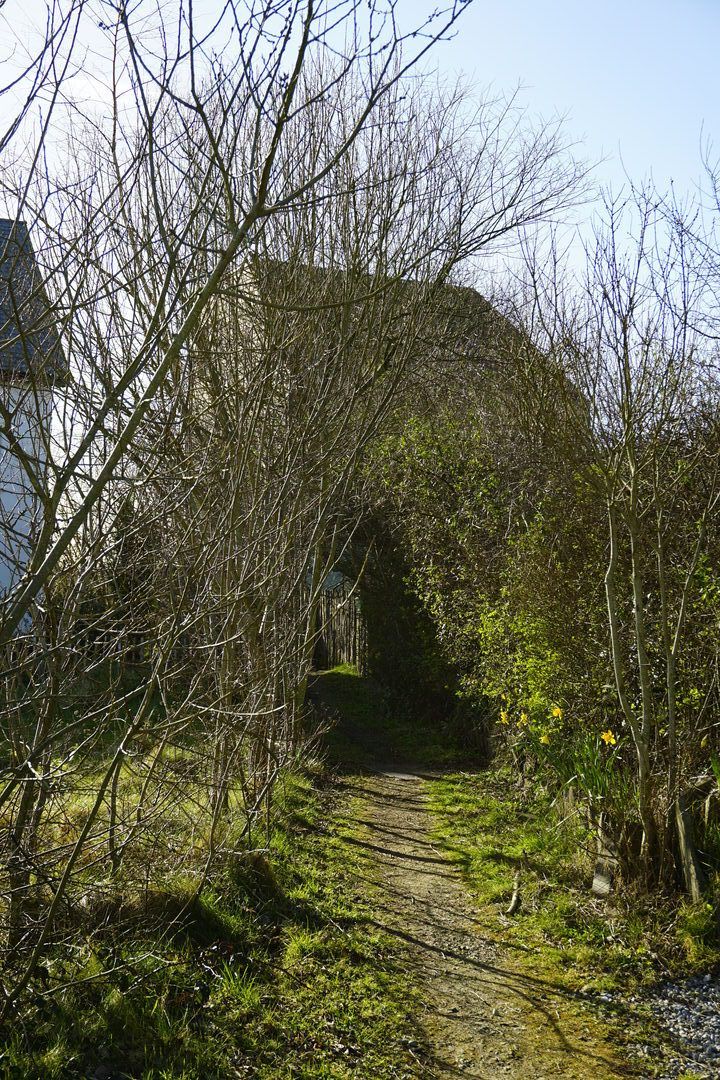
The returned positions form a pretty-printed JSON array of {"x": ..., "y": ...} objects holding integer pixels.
[{"x": 482, "y": 1018}]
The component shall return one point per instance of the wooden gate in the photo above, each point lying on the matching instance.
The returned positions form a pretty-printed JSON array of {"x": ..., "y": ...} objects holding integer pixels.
[{"x": 341, "y": 637}]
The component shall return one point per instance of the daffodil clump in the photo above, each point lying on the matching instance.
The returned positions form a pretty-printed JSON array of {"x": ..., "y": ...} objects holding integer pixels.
[
  {"x": 542, "y": 724},
  {"x": 539, "y": 722}
]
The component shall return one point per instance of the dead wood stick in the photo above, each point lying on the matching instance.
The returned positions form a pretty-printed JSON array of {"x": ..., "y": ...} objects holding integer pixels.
[{"x": 515, "y": 901}]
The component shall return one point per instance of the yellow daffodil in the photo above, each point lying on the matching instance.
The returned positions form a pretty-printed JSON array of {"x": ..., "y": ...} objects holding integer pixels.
[
  {"x": 557, "y": 711},
  {"x": 545, "y": 739},
  {"x": 523, "y": 718},
  {"x": 504, "y": 718},
  {"x": 608, "y": 737}
]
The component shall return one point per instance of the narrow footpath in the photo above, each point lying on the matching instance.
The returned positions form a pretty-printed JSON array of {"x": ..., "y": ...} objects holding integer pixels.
[{"x": 481, "y": 1017}]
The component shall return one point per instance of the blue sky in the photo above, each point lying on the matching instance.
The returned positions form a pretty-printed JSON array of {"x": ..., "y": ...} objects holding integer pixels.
[{"x": 638, "y": 81}]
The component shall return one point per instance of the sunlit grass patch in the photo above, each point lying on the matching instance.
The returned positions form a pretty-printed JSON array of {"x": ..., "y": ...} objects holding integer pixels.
[
  {"x": 272, "y": 968},
  {"x": 494, "y": 830}
]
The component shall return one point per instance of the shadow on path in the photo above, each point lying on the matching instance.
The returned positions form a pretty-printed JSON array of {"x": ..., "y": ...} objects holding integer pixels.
[{"x": 481, "y": 1017}]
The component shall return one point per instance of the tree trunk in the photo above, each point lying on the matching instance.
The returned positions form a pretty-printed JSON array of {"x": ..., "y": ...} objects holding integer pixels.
[{"x": 692, "y": 871}]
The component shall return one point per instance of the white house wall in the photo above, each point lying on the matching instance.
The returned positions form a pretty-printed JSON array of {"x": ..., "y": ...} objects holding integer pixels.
[{"x": 20, "y": 510}]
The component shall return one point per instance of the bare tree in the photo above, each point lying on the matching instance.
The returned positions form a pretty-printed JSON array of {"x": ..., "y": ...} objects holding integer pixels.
[
  {"x": 635, "y": 390},
  {"x": 242, "y": 258}
]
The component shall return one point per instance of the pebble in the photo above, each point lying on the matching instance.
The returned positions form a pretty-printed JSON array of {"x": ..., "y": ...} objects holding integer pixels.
[{"x": 688, "y": 1010}]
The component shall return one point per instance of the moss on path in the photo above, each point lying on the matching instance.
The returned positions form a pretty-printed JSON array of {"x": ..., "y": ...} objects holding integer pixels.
[
  {"x": 482, "y": 1010},
  {"x": 480, "y": 1015}
]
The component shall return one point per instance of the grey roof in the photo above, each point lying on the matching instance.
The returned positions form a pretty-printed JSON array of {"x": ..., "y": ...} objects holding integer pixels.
[{"x": 29, "y": 342}]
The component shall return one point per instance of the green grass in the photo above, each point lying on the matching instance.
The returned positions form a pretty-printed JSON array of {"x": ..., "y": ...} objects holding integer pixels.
[
  {"x": 275, "y": 973},
  {"x": 492, "y": 828}
]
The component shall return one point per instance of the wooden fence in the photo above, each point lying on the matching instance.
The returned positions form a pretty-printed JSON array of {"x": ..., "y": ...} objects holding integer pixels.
[{"x": 341, "y": 636}]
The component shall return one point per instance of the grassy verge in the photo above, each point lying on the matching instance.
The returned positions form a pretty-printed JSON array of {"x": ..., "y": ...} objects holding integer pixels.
[
  {"x": 494, "y": 829},
  {"x": 274, "y": 973}
]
